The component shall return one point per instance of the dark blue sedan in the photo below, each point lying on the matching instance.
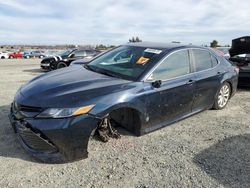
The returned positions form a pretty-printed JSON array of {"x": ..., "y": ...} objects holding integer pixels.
[{"x": 141, "y": 87}]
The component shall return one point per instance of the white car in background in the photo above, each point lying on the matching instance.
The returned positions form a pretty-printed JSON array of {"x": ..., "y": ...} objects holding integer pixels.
[{"x": 4, "y": 55}]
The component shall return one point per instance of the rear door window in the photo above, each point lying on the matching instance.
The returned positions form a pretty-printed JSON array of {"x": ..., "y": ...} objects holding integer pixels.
[{"x": 203, "y": 60}]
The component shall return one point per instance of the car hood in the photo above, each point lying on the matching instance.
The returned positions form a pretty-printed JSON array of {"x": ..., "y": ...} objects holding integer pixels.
[{"x": 68, "y": 87}]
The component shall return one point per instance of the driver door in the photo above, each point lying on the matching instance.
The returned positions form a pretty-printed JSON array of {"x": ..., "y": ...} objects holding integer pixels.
[{"x": 174, "y": 97}]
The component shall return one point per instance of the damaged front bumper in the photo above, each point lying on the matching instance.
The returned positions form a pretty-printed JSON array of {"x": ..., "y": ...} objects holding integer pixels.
[{"x": 55, "y": 140}]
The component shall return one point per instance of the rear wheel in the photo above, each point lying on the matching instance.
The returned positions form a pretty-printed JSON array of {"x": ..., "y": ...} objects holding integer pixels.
[
  {"x": 2, "y": 57},
  {"x": 27, "y": 57},
  {"x": 222, "y": 97},
  {"x": 61, "y": 65},
  {"x": 11, "y": 57}
]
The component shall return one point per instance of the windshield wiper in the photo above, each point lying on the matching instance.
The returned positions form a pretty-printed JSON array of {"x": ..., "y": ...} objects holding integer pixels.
[
  {"x": 107, "y": 73},
  {"x": 89, "y": 68},
  {"x": 101, "y": 71}
]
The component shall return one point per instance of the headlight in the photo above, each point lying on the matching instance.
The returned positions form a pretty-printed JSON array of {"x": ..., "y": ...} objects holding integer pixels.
[{"x": 64, "y": 112}]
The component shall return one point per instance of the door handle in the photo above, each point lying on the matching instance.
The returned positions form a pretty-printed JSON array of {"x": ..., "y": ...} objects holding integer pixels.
[{"x": 190, "y": 82}]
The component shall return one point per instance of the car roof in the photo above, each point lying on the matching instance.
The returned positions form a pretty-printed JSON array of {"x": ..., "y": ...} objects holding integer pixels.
[{"x": 163, "y": 46}]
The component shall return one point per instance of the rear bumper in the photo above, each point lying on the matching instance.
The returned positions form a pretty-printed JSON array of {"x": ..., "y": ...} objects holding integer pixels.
[{"x": 55, "y": 140}]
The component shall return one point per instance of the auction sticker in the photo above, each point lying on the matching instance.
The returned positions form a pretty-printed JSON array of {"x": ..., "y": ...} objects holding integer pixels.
[{"x": 154, "y": 51}]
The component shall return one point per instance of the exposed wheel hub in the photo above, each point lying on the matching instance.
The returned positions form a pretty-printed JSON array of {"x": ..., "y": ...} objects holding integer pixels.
[{"x": 105, "y": 131}]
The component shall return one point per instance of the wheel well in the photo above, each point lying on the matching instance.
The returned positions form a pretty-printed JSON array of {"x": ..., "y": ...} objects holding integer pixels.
[{"x": 127, "y": 118}]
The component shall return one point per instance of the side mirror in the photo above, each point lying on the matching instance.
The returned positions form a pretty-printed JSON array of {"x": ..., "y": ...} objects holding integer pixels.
[{"x": 156, "y": 84}]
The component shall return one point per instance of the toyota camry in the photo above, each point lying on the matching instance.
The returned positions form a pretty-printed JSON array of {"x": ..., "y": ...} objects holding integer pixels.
[{"x": 141, "y": 87}]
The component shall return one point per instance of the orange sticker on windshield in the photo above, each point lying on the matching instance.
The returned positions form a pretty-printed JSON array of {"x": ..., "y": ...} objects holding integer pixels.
[{"x": 142, "y": 60}]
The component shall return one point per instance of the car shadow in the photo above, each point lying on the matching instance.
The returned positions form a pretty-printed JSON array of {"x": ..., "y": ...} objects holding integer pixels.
[
  {"x": 228, "y": 161},
  {"x": 9, "y": 146},
  {"x": 35, "y": 70},
  {"x": 243, "y": 88}
]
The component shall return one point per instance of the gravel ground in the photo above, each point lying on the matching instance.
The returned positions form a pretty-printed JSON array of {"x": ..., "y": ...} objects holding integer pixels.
[{"x": 209, "y": 149}]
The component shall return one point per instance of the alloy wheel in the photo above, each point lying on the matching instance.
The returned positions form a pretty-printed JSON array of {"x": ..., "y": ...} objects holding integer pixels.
[{"x": 224, "y": 95}]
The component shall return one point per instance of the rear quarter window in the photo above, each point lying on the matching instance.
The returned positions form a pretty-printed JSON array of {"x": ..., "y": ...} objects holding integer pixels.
[{"x": 214, "y": 61}]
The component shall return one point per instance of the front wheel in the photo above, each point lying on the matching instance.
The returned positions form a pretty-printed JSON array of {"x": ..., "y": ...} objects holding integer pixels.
[{"x": 222, "y": 97}]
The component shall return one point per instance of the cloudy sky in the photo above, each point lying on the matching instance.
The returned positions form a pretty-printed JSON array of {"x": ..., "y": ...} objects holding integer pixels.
[{"x": 115, "y": 21}]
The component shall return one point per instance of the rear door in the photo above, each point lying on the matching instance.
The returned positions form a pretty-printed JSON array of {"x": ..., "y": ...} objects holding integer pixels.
[{"x": 207, "y": 76}]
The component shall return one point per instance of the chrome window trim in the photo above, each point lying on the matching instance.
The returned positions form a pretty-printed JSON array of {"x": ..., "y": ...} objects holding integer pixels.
[{"x": 148, "y": 75}]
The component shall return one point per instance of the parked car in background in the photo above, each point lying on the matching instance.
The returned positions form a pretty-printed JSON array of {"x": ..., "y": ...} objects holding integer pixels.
[
  {"x": 15, "y": 55},
  {"x": 4, "y": 55},
  {"x": 64, "y": 59},
  {"x": 34, "y": 54},
  {"x": 240, "y": 56},
  {"x": 141, "y": 87},
  {"x": 85, "y": 61}
]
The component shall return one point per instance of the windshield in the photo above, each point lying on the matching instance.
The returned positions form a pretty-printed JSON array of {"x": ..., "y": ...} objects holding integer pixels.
[{"x": 127, "y": 62}]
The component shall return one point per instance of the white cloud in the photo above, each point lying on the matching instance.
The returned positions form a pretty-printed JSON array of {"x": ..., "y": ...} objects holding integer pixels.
[{"x": 113, "y": 22}]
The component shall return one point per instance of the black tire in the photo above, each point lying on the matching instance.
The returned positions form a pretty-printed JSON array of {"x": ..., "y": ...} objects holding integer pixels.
[
  {"x": 222, "y": 96},
  {"x": 52, "y": 66},
  {"x": 2, "y": 57},
  {"x": 11, "y": 57},
  {"x": 61, "y": 65}
]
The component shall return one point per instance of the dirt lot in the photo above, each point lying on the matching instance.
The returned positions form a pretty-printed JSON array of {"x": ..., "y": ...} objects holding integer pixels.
[{"x": 210, "y": 149}]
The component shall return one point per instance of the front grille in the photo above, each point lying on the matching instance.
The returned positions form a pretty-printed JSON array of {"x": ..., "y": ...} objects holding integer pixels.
[
  {"x": 21, "y": 111},
  {"x": 19, "y": 107},
  {"x": 34, "y": 140}
]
